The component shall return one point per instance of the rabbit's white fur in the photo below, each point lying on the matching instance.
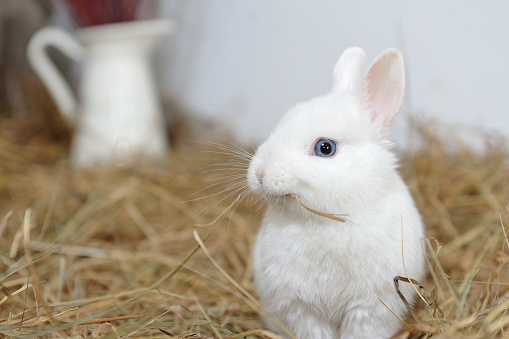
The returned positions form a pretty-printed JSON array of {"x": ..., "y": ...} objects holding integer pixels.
[{"x": 319, "y": 277}]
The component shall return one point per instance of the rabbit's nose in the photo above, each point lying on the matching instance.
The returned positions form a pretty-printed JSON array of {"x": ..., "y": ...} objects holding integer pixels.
[{"x": 260, "y": 173}]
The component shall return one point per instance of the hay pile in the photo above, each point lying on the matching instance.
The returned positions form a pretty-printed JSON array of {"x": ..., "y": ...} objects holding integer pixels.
[{"x": 111, "y": 252}]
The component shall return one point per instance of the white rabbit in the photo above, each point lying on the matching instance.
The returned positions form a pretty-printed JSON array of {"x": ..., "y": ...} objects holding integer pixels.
[{"x": 323, "y": 278}]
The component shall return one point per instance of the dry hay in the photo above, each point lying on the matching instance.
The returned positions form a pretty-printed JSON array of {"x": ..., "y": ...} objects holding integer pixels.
[{"x": 114, "y": 252}]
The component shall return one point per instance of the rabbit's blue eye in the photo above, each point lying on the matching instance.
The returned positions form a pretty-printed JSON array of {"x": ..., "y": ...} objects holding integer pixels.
[{"x": 325, "y": 148}]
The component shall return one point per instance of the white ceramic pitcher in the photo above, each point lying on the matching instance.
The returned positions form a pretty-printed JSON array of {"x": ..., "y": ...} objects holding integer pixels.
[{"x": 117, "y": 116}]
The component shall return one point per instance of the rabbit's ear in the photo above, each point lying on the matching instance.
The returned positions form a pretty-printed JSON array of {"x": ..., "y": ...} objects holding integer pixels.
[
  {"x": 383, "y": 88},
  {"x": 349, "y": 71}
]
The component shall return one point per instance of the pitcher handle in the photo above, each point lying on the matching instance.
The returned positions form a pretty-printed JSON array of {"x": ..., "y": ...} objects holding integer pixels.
[{"x": 48, "y": 72}]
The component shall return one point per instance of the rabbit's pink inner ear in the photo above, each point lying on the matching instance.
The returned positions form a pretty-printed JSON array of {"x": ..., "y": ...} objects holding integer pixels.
[
  {"x": 383, "y": 88},
  {"x": 375, "y": 115}
]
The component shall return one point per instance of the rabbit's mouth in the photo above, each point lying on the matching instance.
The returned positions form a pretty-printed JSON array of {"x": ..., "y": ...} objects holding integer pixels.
[{"x": 322, "y": 214}]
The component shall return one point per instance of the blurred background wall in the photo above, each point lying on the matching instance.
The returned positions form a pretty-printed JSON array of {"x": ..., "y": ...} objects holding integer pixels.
[{"x": 19, "y": 19}]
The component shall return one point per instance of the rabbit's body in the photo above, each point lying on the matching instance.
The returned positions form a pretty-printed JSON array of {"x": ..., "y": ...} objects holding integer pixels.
[
  {"x": 322, "y": 277},
  {"x": 319, "y": 277}
]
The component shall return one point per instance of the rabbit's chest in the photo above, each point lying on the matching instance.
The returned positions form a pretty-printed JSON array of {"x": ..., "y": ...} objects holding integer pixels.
[{"x": 327, "y": 269}]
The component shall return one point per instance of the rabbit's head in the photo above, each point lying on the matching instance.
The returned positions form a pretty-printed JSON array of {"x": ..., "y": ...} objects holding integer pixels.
[{"x": 332, "y": 151}]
